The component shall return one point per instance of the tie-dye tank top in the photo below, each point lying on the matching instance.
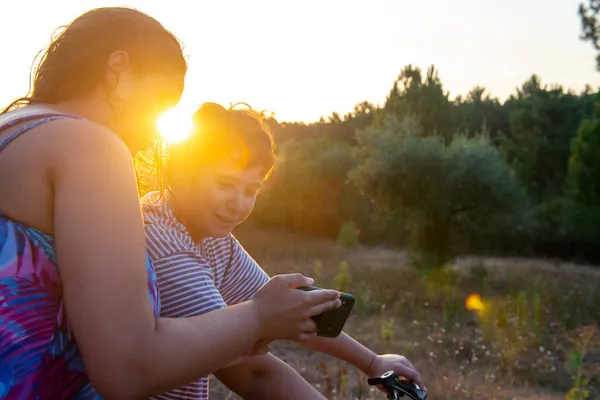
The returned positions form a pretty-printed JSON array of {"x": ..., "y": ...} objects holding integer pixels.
[{"x": 39, "y": 358}]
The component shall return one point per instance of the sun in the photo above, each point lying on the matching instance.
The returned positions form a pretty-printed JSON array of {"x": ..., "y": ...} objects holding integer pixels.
[{"x": 175, "y": 125}]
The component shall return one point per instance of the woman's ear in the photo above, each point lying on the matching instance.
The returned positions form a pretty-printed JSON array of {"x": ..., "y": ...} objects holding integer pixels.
[{"x": 118, "y": 61}]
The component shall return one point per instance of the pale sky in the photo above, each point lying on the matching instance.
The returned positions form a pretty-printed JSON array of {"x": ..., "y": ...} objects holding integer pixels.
[{"x": 304, "y": 59}]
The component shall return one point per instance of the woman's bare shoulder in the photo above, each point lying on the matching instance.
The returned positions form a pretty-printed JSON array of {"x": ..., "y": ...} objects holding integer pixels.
[
  {"x": 76, "y": 140},
  {"x": 71, "y": 130}
]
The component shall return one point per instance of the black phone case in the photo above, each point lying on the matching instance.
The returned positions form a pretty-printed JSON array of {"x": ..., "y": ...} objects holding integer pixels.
[{"x": 331, "y": 322}]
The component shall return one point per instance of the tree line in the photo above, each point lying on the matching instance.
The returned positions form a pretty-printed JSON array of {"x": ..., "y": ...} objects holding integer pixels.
[{"x": 447, "y": 176}]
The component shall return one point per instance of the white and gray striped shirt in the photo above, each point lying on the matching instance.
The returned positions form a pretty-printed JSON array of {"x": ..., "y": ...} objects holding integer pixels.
[{"x": 195, "y": 279}]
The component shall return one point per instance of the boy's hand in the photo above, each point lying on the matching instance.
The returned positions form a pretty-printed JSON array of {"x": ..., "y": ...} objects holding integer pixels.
[{"x": 397, "y": 363}]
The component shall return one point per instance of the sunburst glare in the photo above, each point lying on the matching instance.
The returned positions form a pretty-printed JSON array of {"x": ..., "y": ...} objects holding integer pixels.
[{"x": 175, "y": 125}]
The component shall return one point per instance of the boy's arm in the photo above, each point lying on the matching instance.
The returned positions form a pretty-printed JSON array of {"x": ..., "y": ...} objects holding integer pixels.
[
  {"x": 267, "y": 377},
  {"x": 345, "y": 348}
]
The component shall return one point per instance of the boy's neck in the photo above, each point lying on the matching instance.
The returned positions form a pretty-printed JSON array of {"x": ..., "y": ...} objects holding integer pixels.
[{"x": 197, "y": 236}]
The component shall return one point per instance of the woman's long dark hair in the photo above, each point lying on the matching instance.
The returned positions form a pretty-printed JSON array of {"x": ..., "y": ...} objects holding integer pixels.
[{"x": 74, "y": 63}]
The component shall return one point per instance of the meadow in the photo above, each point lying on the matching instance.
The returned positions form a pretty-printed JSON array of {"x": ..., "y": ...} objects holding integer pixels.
[{"x": 482, "y": 328}]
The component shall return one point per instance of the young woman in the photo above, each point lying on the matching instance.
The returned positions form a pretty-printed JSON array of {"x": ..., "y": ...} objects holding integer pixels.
[
  {"x": 213, "y": 179},
  {"x": 79, "y": 302}
]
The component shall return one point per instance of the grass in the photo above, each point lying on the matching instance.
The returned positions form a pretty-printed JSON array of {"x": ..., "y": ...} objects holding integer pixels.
[{"x": 533, "y": 336}]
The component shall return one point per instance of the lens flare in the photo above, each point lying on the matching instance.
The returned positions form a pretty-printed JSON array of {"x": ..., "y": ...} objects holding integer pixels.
[
  {"x": 475, "y": 303},
  {"x": 175, "y": 125}
]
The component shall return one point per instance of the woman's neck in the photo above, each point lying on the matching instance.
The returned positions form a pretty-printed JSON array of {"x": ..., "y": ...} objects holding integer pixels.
[
  {"x": 90, "y": 108},
  {"x": 96, "y": 109}
]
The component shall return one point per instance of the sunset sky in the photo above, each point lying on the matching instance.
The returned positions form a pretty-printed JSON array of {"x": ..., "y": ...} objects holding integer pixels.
[{"x": 305, "y": 59}]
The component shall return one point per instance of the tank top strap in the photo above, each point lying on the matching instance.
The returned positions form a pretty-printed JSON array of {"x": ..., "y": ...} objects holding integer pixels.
[{"x": 34, "y": 121}]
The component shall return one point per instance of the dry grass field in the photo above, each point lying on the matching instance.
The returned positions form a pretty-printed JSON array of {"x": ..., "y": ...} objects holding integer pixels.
[{"x": 530, "y": 333}]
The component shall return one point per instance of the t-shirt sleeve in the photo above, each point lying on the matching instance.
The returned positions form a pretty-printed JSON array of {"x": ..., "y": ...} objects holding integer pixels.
[
  {"x": 186, "y": 285},
  {"x": 243, "y": 276}
]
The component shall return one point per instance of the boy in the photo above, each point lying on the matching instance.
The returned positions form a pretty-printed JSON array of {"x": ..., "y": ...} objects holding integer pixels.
[{"x": 213, "y": 179}]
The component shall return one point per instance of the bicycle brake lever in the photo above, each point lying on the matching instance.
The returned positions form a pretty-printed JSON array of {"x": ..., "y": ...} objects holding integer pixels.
[
  {"x": 412, "y": 391},
  {"x": 392, "y": 384}
]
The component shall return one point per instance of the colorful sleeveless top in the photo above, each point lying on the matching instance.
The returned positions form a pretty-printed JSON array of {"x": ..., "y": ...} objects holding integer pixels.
[{"x": 39, "y": 358}]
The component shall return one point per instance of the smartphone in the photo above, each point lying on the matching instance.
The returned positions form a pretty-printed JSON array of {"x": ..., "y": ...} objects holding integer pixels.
[{"x": 331, "y": 322}]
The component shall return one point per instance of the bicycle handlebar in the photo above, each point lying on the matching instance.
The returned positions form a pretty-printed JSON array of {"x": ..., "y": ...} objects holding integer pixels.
[{"x": 397, "y": 388}]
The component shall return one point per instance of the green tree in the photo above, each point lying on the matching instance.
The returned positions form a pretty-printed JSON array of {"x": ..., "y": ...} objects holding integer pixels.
[
  {"x": 543, "y": 120},
  {"x": 583, "y": 181},
  {"x": 479, "y": 113},
  {"x": 308, "y": 191},
  {"x": 590, "y": 26},
  {"x": 423, "y": 98},
  {"x": 445, "y": 192}
]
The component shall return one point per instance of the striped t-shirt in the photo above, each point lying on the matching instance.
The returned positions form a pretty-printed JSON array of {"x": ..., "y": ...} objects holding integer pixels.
[{"x": 195, "y": 279}]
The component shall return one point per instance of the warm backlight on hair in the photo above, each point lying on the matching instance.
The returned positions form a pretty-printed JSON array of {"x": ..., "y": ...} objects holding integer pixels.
[{"x": 175, "y": 125}]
